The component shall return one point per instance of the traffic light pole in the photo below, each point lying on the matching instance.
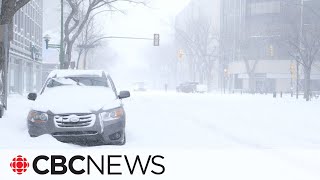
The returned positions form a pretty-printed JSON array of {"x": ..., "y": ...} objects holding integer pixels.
[
  {"x": 156, "y": 39},
  {"x": 61, "y": 39}
]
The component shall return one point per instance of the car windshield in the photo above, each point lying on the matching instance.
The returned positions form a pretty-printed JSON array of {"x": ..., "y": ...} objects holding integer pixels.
[{"x": 78, "y": 81}]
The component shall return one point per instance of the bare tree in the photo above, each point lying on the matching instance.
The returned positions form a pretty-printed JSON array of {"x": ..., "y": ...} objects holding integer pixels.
[
  {"x": 87, "y": 41},
  {"x": 201, "y": 43},
  {"x": 250, "y": 62},
  {"x": 305, "y": 49},
  {"x": 77, "y": 18},
  {"x": 303, "y": 40},
  {"x": 8, "y": 10}
]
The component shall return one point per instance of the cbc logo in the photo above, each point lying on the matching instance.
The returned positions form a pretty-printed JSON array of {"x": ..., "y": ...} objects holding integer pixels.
[{"x": 19, "y": 165}]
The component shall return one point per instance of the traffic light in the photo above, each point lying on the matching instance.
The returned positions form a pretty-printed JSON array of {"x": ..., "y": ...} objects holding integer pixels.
[
  {"x": 180, "y": 54},
  {"x": 156, "y": 40},
  {"x": 271, "y": 50}
]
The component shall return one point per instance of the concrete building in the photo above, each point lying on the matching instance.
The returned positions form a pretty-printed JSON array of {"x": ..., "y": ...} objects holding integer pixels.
[
  {"x": 26, "y": 49},
  {"x": 253, "y": 51},
  {"x": 197, "y": 16}
]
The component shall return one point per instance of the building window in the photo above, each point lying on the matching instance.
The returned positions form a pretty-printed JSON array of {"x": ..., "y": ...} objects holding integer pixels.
[{"x": 272, "y": 7}]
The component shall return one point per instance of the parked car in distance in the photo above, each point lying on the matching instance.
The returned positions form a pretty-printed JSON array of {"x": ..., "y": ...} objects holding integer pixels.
[
  {"x": 202, "y": 88},
  {"x": 139, "y": 86},
  {"x": 79, "y": 105},
  {"x": 187, "y": 87},
  {"x": 192, "y": 87}
]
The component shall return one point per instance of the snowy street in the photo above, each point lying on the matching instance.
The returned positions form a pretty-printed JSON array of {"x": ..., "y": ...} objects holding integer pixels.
[
  {"x": 224, "y": 133},
  {"x": 172, "y": 120},
  {"x": 160, "y": 89}
]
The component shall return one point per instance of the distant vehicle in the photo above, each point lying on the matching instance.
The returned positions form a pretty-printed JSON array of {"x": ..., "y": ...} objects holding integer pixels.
[
  {"x": 202, "y": 88},
  {"x": 187, "y": 87},
  {"x": 79, "y": 105},
  {"x": 192, "y": 87},
  {"x": 140, "y": 86}
]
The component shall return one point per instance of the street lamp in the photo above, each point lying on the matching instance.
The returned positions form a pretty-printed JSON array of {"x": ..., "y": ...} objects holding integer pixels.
[
  {"x": 54, "y": 46},
  {"x": 47, "y": 39}
]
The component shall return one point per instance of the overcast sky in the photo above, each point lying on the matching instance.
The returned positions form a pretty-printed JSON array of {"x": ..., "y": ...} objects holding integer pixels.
[{"x": 138, "y": 21}]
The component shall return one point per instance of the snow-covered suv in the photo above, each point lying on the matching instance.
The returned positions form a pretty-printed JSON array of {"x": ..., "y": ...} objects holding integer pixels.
[{"x": 79, "y": 105}]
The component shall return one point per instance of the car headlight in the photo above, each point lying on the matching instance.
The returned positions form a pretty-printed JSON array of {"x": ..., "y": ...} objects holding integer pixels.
[
  {"x": 37, "y": 117},
  {"x": 112, "y": 115}
]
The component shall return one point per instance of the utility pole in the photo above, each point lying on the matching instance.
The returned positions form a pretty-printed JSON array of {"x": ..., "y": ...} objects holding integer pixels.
[{"x": 61, "y": 40}]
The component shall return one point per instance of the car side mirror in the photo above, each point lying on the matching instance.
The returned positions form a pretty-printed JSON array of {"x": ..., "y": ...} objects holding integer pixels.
[
  {"x": 124, "y": 94},
  {"x": 32, "y": 96}
]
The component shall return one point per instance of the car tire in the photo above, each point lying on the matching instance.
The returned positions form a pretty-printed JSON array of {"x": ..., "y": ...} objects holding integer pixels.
[{"x": 120, "y": 142}]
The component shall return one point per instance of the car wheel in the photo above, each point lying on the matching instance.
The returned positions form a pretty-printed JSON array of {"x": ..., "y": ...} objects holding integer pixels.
[{"x": 119, "y": 142}]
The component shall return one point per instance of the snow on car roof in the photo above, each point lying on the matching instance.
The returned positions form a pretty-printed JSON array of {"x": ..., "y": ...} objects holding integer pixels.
[{"x": 68, "y": 73}]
